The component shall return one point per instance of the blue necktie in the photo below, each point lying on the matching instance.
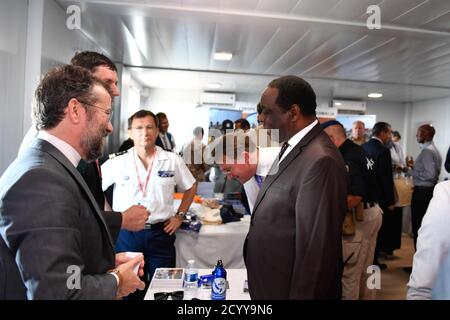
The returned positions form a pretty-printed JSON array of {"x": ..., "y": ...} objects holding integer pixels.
[{"x": 259, "y": 180}]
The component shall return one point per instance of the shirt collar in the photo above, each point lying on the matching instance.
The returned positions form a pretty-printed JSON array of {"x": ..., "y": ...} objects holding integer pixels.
[
  {"x": 294, "y": 140},
  {"x": 66, "y": 149},
  {"x": 376, "y": 138}
]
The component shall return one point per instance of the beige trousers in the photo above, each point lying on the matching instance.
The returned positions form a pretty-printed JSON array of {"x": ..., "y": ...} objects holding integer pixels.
[{"x": 359, "y": 250}]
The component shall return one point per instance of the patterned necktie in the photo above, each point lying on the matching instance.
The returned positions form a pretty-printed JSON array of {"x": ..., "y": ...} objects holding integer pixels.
[
  {"x": 259, "y": 180},
  {"x": 283, "y": 149}
]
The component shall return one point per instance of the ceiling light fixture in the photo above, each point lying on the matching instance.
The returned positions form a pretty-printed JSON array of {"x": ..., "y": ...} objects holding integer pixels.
[
  {"x": 337, "y": 104},
  {"x": 375, "y": 95},
  {"x": 214, "y": 85},
  {"x": 225, "y": 56}
]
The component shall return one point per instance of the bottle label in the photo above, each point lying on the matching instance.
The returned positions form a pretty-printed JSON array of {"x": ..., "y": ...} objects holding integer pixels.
[
  {"x": 191, "y": 277},
  {"x": 219, "y": 287}
]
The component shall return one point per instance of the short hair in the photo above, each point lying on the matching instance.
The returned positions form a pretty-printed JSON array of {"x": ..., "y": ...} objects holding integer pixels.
[
  {"x": 359, "y": 122},
  {"x": 429, "y": 129},
  {"x": 59, "y": 85},
  {"x": 233, "y": 150},
  {"x": 259, "y": 108},
  {"x": 91, "y": 60},
  {"x": 245, "y": 125},
  {"x": 198, "y": 130},
  {"x": 380, "y": 127},
  {"x": 161, "y": 115},
  {"x": 396, "y": 134},
  {"x": 142, "y": 114},
  {"x": 295, "y": 90}
]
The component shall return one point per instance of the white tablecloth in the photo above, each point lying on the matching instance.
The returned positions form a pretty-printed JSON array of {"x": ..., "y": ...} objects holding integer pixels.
[
  {"x": 235, "y": 277},
  {"x": 213, "y": 242}
]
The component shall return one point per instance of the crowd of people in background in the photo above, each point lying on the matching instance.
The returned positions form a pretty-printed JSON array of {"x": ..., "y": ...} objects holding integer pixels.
[{"x": 333, "y": 201}]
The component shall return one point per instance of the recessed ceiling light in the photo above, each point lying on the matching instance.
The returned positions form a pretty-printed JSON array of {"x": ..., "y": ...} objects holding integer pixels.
[
  {"x": 375, "y": 95},
  {"x": 337, "y": 104},
  {"x": 225, "y": 56},
  {"x": 214, "y": 85}
]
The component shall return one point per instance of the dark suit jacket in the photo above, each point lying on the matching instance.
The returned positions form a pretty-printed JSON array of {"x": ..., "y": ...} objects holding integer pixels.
[
  {"x": 382, "y": 165},
  {"x": 91, "y": 175},
  {"x": 293, "y": 249},
  {"x": 49, "y": 224},
  {"x": 159, "y": 143}
]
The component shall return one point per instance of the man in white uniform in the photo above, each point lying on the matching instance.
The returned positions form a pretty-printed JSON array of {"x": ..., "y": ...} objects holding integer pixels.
[{"x": 147, "y": 175}]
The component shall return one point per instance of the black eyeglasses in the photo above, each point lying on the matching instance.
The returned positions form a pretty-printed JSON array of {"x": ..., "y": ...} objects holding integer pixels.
[
  {"x": 176, "y": 295},
  {"x": 109, "y": 112}
]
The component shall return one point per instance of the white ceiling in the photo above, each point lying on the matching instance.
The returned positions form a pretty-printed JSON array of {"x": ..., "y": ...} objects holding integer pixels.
[{"x": 325, "y": 41}]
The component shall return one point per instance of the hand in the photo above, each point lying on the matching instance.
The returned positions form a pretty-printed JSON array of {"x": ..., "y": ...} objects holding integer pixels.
[
  {"x": 134, "y": 218},
  {"x": 129, "y": 280},
  {"x": 172, "y": 225},
  {"x": 122, "y": 258}
]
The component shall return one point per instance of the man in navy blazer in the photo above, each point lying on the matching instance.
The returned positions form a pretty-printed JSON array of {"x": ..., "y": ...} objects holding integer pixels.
[
  {"x": 382, "y": 165},
  {"x": 293, "y": 249},
  {"x": 54, "y": 242}
]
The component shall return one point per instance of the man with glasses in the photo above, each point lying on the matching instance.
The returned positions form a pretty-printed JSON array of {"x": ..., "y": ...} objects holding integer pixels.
[
  {"x": 133, "y": 218},
  {"x": 147, "y": 175},
  {"x": 54, "y": 242}
]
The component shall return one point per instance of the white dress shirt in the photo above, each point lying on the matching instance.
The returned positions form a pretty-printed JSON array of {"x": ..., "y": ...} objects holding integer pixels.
[
  {"x": 168, "y": 170},
  {"x": 433, "y": 244},
  {"x": 295, "y": 139},
  {"x": 266, "y": 157},
  {"x": 65, "y": 148}
]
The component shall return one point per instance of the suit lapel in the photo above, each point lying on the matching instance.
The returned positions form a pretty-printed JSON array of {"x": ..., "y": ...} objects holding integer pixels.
[
  {"x": 295, "y": 152},
  {"x": 47, "y": 147}
]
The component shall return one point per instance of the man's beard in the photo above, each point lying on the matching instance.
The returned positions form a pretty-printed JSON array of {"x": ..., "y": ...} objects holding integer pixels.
[{"x": 92, "y": 143}]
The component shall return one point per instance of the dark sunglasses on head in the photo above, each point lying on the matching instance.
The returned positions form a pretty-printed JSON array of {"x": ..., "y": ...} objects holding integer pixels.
[{"x": 176, "y": 295}]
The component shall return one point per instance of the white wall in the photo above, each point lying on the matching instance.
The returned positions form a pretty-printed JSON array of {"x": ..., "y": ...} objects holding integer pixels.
[
  {"x": 437, "y": 113},
  {"x": 13, "y": 23},
  {"x": 180, "y": 108}
]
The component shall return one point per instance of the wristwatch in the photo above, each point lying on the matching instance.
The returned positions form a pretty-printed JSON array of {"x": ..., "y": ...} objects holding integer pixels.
[
  {"x": 181, "y": 214},
  {"x": 117, "y": 274}
]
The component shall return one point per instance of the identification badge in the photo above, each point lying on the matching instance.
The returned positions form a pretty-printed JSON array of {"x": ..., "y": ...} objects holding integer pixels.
[{"x": 166, "y": 173}]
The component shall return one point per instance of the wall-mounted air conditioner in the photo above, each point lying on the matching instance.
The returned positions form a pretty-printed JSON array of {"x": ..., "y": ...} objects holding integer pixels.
[
  {"x": 350, "y": 107},
  {"x": 217, "y": 99}
]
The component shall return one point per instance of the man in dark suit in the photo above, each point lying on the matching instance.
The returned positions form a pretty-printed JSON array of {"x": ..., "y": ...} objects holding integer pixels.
[
  {"x": 54, "y": 242},
  {"x": 165, "y": 139},
  {"x": 134, "y": 218},
  {"x": 382, "y": 164},
  {"x": 294, "y": 246}
]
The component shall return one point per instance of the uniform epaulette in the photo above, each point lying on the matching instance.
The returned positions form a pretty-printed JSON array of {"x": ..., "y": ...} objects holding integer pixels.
[{"x": 113, "y": 155}]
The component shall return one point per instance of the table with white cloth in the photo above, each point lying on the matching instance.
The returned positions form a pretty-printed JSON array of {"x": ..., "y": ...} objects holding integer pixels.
[
  {"x": 213, "y": 242},
  {"x": 235, "y": 278}
]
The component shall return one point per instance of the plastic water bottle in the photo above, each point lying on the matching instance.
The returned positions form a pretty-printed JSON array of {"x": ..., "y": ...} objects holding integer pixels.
[
  {"x": 191, "y": 276},
  {"x": 219, "y": 282}
]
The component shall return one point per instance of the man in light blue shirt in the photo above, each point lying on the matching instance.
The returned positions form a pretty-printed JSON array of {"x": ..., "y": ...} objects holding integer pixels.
[{"x": 425, "y": 172}]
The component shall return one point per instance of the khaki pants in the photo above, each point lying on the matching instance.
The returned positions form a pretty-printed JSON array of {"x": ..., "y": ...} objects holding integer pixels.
[{"x": 361, "y": 248}]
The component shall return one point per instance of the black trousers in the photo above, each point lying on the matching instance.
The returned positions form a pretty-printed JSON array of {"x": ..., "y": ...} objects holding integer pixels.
[
  {"x": 421, "y": 197},
  {"x": 390, "y": 234}
]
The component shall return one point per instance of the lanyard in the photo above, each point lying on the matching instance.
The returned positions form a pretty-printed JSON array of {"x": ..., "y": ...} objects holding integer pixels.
[{"x": 149, "y": 171}]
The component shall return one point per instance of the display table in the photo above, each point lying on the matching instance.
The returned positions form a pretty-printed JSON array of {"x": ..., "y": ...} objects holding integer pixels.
[
  {"x": 213, "y": 242},
  {"x": 235, "y": 277}
]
